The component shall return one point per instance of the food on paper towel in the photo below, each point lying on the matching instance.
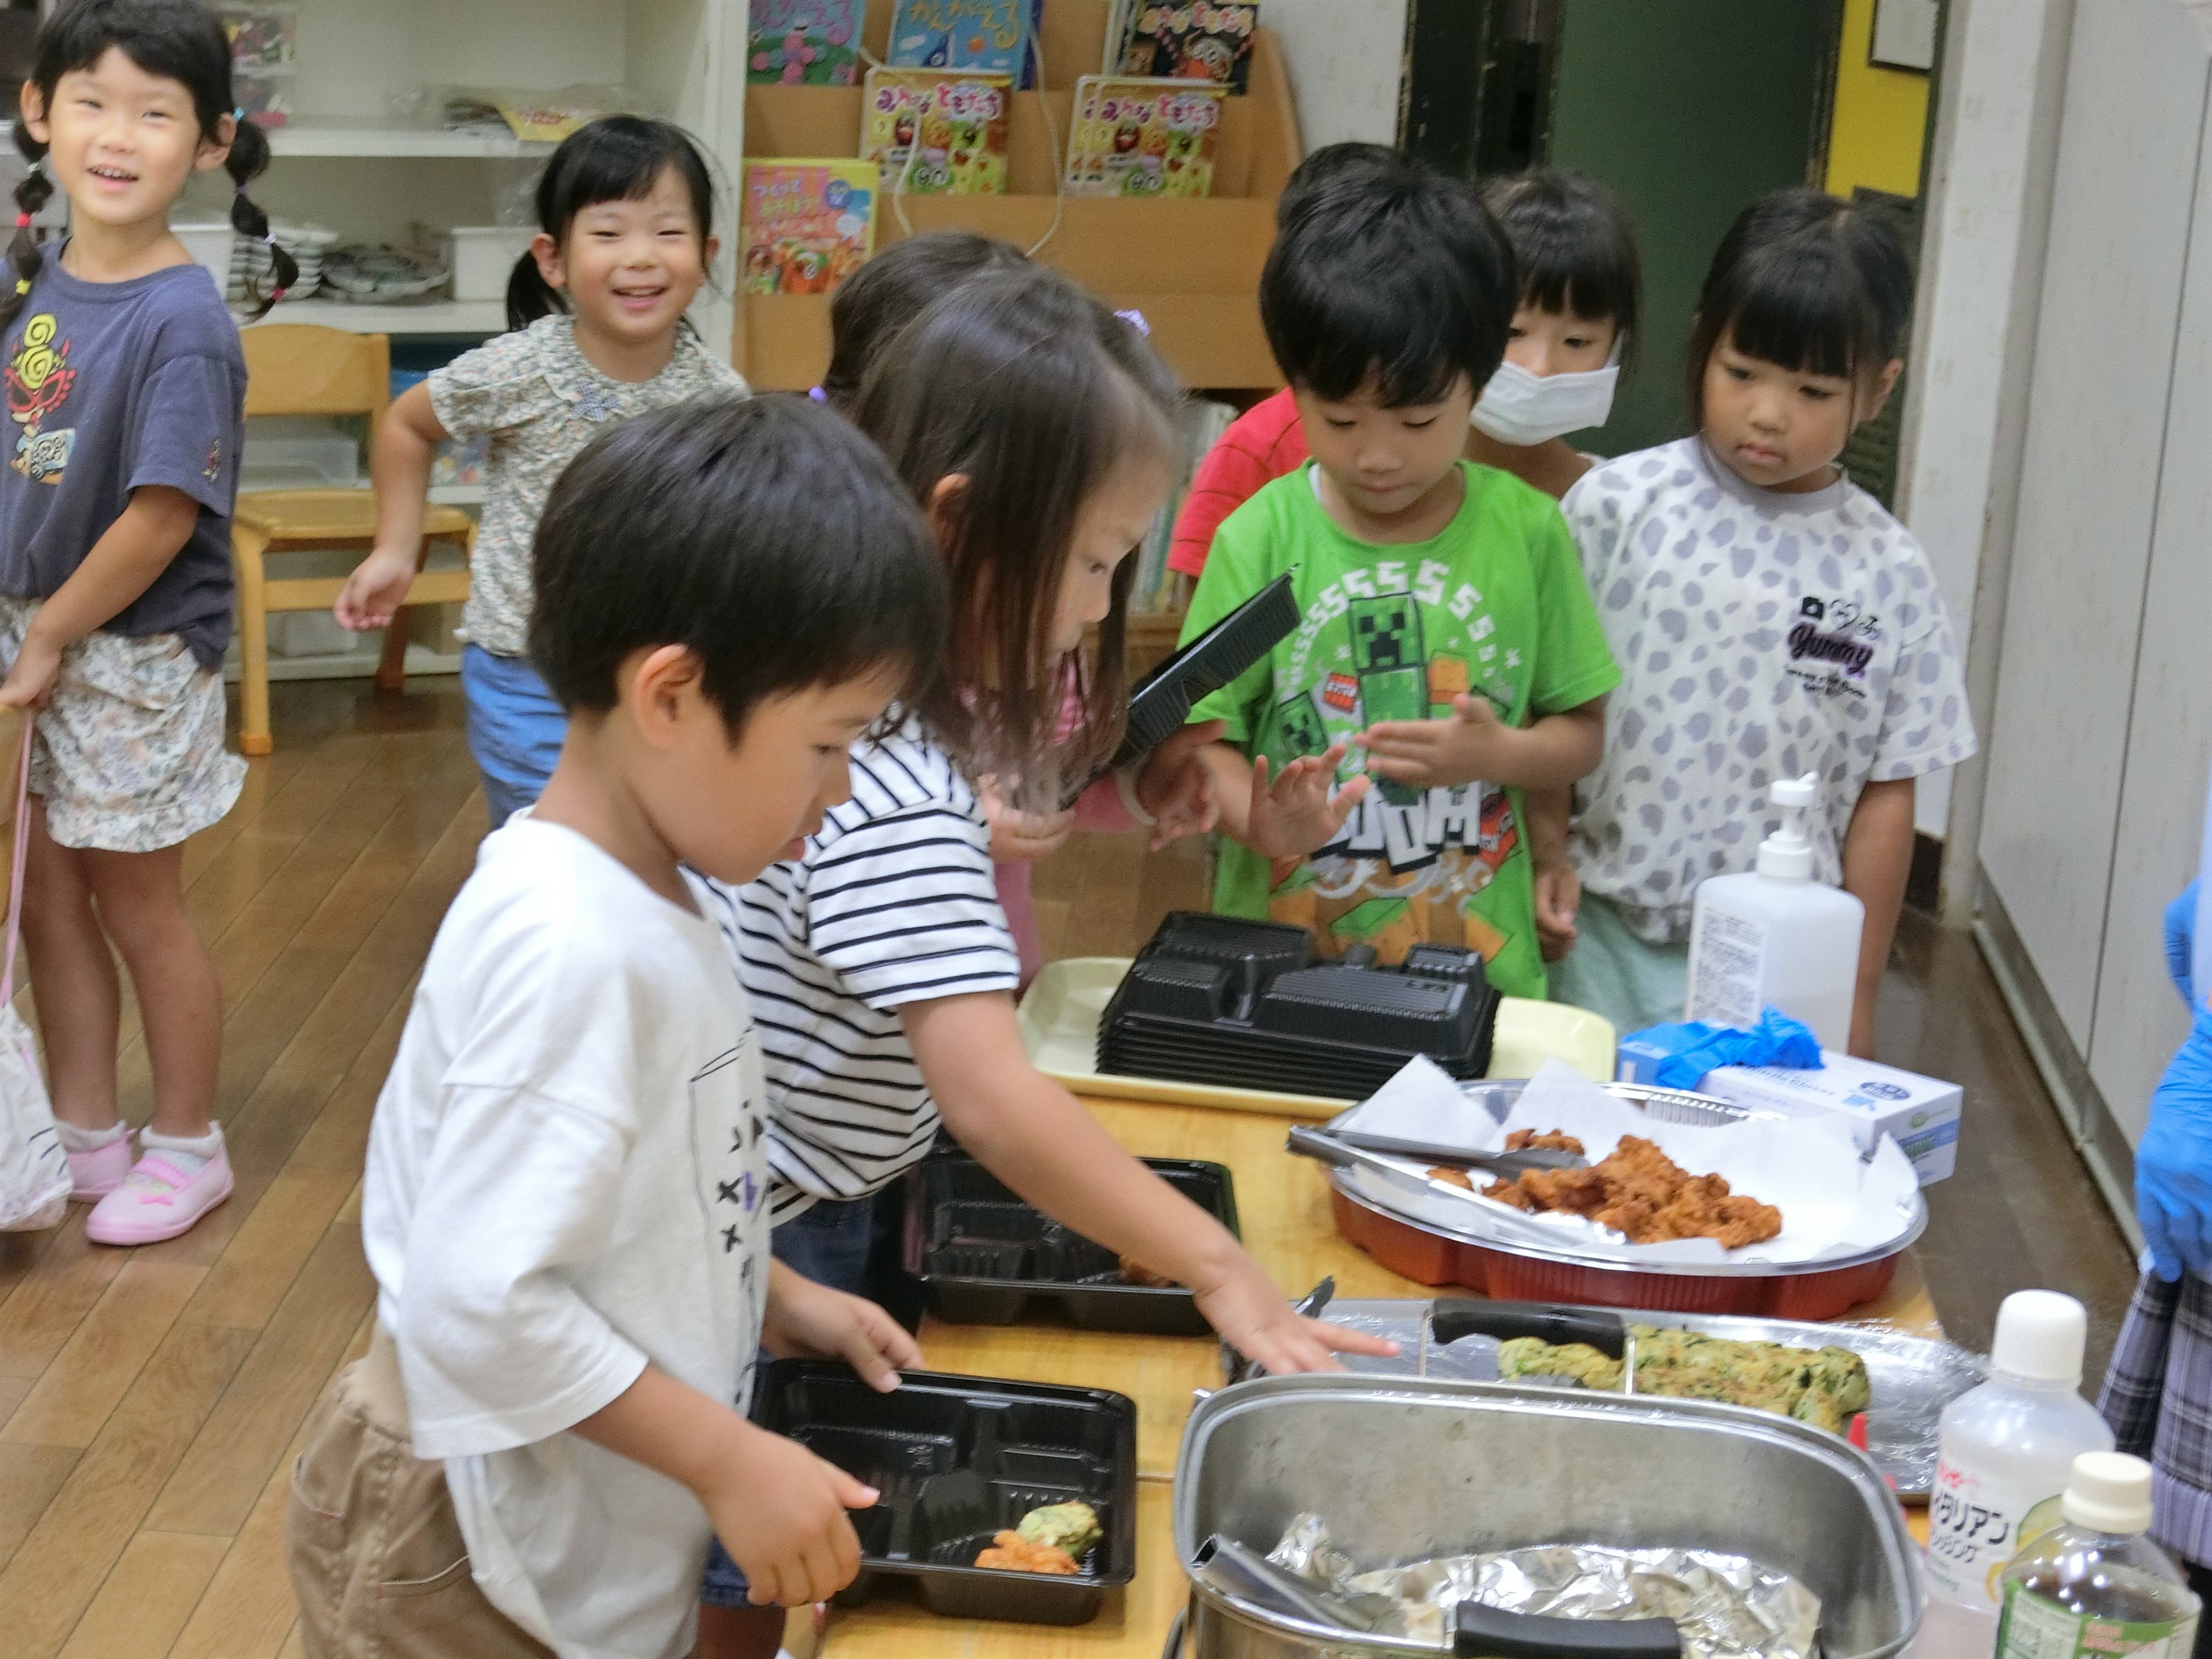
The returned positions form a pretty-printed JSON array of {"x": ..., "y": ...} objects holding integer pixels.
[
  {"x": 1070, "y": 1527},
  {"x": 1011, "y": 1552},
  {"x": 1641, "y": 1193},
  {"x": 1547, "y": 1141},
  {"x": 1824, "y": 1387}
]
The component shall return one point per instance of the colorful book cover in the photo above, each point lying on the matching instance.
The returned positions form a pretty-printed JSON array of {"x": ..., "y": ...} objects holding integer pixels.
[
  {"x": 980, "y": 35},
  {"x": 807, "y": 225},
  {"x": 812, "y": 43},
  {"x": 937, "y": 131},
  {"x": 1143, "y": 137},
  {"x": 1194, "y": 40}
]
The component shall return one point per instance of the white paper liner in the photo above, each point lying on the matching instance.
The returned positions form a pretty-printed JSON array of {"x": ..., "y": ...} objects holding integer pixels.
[{"x": 1833, "y": 1204}]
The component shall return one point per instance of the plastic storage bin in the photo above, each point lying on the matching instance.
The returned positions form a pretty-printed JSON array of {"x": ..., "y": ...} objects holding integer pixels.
[{"x": 483, "y": 258}]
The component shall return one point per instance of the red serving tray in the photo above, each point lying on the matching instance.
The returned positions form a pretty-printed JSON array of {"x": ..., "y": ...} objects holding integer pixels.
[{"x": 1430, "y": 1258}]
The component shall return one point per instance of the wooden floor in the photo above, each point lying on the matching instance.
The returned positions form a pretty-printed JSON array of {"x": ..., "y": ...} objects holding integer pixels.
[{"x": 149, "y": 1400}]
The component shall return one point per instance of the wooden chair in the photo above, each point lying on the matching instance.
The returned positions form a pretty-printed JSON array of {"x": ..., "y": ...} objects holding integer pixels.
[{"x": 296, "y": 369}]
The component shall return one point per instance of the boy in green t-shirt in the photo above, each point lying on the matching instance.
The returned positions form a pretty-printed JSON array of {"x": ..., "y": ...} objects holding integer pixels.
[{"x": 1449, "y": 655}]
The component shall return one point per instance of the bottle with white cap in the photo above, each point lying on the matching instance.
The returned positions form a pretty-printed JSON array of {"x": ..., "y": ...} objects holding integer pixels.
[
  {"x": 1773, "y": 936},
  {"x": 2094, "y": 1584},
  {"x": 2008, "y": 1449}
]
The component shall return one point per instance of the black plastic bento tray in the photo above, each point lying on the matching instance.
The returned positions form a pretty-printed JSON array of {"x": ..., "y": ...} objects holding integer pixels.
[
  {"x": 1243, "y": 1004},
  {"x": 958, "y": 1459},
  {"x": 984, "y": 1257}
]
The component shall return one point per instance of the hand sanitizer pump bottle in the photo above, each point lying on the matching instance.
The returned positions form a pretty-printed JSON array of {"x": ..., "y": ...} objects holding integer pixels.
[{"x": 1775, "y": 936}]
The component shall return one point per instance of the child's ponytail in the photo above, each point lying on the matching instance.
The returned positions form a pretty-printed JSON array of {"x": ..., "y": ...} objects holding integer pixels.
[
  {"x": 24, "y": 257},
  {"x": 249, "y": 157},
  {"x": 529, "y": 295}
]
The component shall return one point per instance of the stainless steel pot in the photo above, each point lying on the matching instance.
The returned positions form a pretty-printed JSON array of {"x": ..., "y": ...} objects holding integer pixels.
[{"x": 1404, "y": 1468}]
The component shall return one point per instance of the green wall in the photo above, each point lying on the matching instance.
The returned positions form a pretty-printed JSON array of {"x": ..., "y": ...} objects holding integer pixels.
[{"x": 1688, "y": 110}]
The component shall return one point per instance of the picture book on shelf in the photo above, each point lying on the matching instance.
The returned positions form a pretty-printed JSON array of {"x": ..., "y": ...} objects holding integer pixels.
[
  {"x": 1134, "y": 136},
  {"x": 936, "y": 132},
  {"x": 807, "y": 225},
  {"x": 977, "y": 34},
  {"x": 1189, "y": 40},
  {"x": 812, "y": 43}
]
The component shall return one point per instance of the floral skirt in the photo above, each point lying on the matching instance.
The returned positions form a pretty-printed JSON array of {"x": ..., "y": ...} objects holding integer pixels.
[{"x": 129, "y": 754}]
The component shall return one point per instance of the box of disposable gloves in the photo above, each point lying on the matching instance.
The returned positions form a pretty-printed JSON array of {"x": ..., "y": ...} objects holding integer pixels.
[{"x": 1921, "y": 1112}]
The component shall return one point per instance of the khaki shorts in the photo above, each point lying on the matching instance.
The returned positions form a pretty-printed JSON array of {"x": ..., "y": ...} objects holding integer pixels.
[
  {"x": 129, "y": 755},
  {"x": 378, "y": 1560}
]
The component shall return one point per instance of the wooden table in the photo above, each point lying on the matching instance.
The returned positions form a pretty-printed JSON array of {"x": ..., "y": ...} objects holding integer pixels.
[{"x": 1283, "y": 1206}]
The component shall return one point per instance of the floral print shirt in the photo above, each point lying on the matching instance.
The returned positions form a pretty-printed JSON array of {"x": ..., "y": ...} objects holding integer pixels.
[{"x": 538, "y": 400}]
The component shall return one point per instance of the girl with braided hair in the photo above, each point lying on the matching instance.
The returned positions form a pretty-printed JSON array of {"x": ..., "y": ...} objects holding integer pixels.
[{"x": 124, "y": 389}]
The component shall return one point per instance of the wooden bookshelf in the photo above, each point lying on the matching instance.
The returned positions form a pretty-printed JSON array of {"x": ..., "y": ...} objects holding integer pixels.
[{"x": 1191, "y": 266}]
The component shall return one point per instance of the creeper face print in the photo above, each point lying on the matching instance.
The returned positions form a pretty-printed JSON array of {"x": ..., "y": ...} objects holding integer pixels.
[
  {"x": 1388, "y": 656},
  {"x": 1302, "y": 730}
]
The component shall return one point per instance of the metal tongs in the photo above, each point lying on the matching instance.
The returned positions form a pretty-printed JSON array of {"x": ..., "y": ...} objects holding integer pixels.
[{"x": 1326, "y": 1144}]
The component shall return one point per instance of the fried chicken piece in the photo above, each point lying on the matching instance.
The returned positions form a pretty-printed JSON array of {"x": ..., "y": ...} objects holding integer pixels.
[
  {"x": 1011, "y": 1553},
  {"x": 1580, "y": 1192},
  {"x": 1543, "y": 1140},
  {"x": 1506, "y": 1191},
  {"x": 1456, "y": 1177},
  {"x": 1639, "y": 1192}
]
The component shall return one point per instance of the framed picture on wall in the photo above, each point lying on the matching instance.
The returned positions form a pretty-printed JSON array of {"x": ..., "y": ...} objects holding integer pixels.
[{"x": 1904, "y": 35}]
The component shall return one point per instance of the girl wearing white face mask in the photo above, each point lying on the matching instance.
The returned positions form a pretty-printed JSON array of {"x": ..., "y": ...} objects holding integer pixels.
[{"x": 1579, "y": 282}]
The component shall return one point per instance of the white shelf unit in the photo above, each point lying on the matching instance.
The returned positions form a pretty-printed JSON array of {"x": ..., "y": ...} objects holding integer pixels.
[
  {"x": 362, "y": 152},
  {"x": 400, "y": 319},
  {"x": 346, "y": 160}
]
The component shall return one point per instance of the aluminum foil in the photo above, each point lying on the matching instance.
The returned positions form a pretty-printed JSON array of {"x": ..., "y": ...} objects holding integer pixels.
[{"x": 1724, "y": 1606}]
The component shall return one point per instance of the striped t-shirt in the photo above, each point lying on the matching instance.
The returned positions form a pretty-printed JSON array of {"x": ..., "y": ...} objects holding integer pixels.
[{"x": 893, "y": 903}]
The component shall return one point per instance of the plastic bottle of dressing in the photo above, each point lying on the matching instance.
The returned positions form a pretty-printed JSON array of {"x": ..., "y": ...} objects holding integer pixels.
[
  {"x": 1775, "y": 936},
  {"x": 2007, "y": 1451},
  {"x": 2096, "y": 1585}
]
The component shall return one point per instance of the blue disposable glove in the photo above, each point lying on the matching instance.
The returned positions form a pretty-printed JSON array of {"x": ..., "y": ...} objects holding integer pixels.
[
  {"x": 2181, "y": 941},
  {"x": 2173, "y": 1165}
]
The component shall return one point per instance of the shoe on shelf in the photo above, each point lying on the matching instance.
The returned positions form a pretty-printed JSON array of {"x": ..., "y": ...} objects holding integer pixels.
[
  {"x": 95, "y": 1173},
  {"x": 161, "y": 1197}
]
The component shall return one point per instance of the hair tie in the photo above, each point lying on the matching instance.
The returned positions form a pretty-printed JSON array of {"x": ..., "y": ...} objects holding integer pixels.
[
  {"x": 270, "y": 241},
  {"x": 23, "y": 285},
  {"x": 36, "y": 169},
  {"x": 22, "y": 222},
  {"x": 239, "y": 114},
  {"x": 1136, "y": 320}
]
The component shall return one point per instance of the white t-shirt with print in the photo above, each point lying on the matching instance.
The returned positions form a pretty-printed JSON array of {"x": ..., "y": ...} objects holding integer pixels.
[
  {"x": 567, "y": 1181},
  {"x": 1761, "y": 635},
  {"x": 893, "y": 903}
]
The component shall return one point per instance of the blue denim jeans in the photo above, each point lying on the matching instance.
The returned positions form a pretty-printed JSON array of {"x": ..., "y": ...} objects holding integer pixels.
[
  {"x": 848, "y": 1246},
  {"x": 515, "y": 729}
]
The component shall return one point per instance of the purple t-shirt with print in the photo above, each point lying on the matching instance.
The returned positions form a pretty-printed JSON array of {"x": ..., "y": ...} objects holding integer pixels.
[{"x": 109, "y": 386}]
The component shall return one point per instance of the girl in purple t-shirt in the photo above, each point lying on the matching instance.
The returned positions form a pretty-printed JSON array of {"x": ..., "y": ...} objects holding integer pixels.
[{"x": 125, "y": 388}]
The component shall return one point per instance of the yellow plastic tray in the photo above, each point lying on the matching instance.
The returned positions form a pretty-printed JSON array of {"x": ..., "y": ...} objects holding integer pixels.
[{"x": 1059, "y": 1027}]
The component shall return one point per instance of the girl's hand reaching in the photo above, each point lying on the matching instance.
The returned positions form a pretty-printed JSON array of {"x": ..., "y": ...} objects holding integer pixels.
[
  {"x": 372, "y": 595},
  {"x": 807, "y": 1320},
  {"x": 1296, "y": 813},
  {"x": 1252, "y": 1317},
  {"x": 1018, "y": 837},
  {"x": 1175, "y": 785}
]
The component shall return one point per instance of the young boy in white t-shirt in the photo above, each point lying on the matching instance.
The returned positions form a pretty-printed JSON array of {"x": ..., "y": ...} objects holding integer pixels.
[{"x": 565, "y": 1206}]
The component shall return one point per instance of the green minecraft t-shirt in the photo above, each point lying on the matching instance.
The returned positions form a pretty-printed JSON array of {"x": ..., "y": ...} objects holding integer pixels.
[{"x": 1494, "y": 603}]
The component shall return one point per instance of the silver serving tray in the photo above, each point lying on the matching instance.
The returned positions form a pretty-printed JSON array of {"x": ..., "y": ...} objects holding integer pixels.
[
  {"x": 1913, "y": 1377},
  {"x": 1497, "y": 1096},
  {"x": 1402, "y": 1469}
]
